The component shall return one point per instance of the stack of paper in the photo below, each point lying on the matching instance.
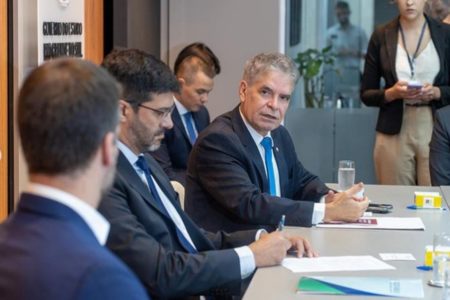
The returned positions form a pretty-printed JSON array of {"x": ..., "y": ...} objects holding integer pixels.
[{"x": 368, "y": 286}]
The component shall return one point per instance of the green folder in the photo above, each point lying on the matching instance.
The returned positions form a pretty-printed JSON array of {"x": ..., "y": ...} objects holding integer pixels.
[{"x": 307, "y": 284}]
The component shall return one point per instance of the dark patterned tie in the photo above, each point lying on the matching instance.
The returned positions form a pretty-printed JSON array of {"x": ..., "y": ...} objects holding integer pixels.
[{"x": 142, "y": 164}]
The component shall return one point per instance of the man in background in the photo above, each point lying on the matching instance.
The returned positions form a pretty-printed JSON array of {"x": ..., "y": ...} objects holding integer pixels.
[
  {"x": 52, "y": 246},
  {"x": 171, "y": 255},
  {"x": 244, "y": 173},
  {"x": 349, "y": 43},
  {"x": 195, "y": 69}
]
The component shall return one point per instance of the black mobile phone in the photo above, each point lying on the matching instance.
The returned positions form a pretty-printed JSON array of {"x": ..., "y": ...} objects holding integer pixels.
[
  {"x": 378, "y": 210},
  {"x": 388, "y": 206}
]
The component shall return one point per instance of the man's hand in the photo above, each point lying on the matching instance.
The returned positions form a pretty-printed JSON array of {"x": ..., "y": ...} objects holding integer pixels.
[
  {"x": 345, "y": 206},
  {"x": 356, "y": 191},
  {"x": 329, "y": 197},
  {"x": 270, "y": 249},
  {"x": 301, "y": 246}
]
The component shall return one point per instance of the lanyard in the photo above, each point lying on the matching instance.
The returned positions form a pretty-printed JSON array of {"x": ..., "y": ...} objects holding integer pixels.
[{"x": 411, "y": 60}]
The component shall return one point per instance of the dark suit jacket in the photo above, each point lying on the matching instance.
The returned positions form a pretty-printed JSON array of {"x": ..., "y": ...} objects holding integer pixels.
[
  {"x": 175, "y": 149},
  {"x": 146, "y": 239},
  {"x": 440, "y": 148},
  {"x": 380, "y": 63},
  {"x": 48, "y": 252},
  {"x": 227, "y": 187}
]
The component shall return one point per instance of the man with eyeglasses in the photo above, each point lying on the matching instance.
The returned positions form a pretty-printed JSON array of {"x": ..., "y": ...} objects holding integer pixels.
[
  {"x": 149, "y": 231},
  {"x": 195, "y": 69}
]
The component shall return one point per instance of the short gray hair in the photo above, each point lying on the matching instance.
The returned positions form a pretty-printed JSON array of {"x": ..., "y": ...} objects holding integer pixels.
[{"x": 264, "y": 62}]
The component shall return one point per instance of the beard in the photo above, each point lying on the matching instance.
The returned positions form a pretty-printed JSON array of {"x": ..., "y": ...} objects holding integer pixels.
[{"x": 144, "y": 137}]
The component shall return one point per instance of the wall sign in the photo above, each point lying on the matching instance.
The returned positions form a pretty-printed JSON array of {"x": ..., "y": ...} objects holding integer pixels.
[{"x": 60, "y": 29}]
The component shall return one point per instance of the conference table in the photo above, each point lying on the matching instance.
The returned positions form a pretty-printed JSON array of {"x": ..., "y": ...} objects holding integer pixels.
[{"x": 280, "y": 283}]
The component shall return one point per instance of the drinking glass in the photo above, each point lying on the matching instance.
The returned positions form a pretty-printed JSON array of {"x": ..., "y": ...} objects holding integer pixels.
[
  {"x": 441, "y": 248},
  {"x": 346, "y": 174},
  {"x": 446, "y": 291}
]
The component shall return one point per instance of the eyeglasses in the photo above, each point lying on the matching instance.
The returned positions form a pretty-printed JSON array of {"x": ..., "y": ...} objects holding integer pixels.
[{"x": 161, "y": 113}]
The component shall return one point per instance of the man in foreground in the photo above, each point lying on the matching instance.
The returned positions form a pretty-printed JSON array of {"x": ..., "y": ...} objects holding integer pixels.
[{"x": 52, "y": 246}]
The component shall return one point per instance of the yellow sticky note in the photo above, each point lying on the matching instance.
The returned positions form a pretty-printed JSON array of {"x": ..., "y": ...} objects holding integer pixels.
[{"x": 427, "y": 199}]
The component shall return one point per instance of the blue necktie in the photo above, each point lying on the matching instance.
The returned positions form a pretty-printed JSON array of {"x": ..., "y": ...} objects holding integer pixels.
[
  {"x": 267, "y": 144},
  {"x": 190, "y": 127},
  {"x": 142, "y": 164}
]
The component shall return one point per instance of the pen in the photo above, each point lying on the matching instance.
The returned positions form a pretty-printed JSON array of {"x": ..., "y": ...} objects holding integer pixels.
[
  {"x": 281, "y": 223},
  {"x": 424, "y": 268},
  {"x": 415, "y": 207}
]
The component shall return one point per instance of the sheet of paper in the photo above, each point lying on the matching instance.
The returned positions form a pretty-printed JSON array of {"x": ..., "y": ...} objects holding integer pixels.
[
  {"x": 397, "y": 256},
  {"x": 335, "y": 263},
  {"x": 382, "y": 223}
]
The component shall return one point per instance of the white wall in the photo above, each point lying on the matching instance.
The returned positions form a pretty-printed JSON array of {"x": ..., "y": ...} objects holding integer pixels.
[{"x": 235, "y": 30}]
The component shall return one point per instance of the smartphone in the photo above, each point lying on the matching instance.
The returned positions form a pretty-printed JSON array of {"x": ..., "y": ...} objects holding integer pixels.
[
  {"x": 378, "y": 210},
  {"x": 414, "y": 85}
]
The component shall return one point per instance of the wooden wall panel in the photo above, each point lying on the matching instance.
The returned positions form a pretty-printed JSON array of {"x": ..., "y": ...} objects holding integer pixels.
[
  {"x": 93, "y": 29},
  {"x": 3, "y": 110}
]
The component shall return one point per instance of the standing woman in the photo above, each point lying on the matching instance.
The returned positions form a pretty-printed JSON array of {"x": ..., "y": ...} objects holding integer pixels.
[{"x": 411, "y": 54}]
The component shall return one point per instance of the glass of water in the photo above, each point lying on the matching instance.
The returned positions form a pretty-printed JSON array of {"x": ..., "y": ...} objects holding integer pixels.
[
  {"x": 346, "y": 174},
  {"x": 441, "y": 248}
]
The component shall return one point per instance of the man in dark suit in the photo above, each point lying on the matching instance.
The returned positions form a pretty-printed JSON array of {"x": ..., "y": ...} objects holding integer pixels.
[
  {"x": 51, "y": 247},
  {"x": 195, "y": 69},
  {"x": 440, "y": 148},
  {"x": 243, "y": 171},
  {"x": 150, "y": 232}
]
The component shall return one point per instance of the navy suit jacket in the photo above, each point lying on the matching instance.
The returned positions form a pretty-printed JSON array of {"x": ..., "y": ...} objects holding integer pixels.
[
  {"x": 227, "y": 187},
  {"x": 175, "y": 149},
  {"x": 146, "y": 239},
  {"x": 380, "y": 63},
  {"x": 440, "y": 148},
  {"x": 48, "y": 252}
]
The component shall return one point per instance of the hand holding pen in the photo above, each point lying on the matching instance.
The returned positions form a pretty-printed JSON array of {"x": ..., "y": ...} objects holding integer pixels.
[{"x": 300, "y": 246}]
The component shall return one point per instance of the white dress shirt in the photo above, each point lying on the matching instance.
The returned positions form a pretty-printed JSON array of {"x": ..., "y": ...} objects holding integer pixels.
[
  {"x": 319, "y": 208},
  {"x": 246, "y": 257},
  {"x": 95, "y": 221}
]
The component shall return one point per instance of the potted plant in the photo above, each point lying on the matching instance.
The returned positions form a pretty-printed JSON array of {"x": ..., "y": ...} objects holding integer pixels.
[{"x": 310, "y": 66}]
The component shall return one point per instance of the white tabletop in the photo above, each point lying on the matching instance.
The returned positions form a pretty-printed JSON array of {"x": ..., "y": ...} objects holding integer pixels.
[{"x": 280, "y": 283}]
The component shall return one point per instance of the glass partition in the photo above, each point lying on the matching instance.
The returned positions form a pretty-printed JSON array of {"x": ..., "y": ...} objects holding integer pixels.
[{"x": 331, "y": 37}]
